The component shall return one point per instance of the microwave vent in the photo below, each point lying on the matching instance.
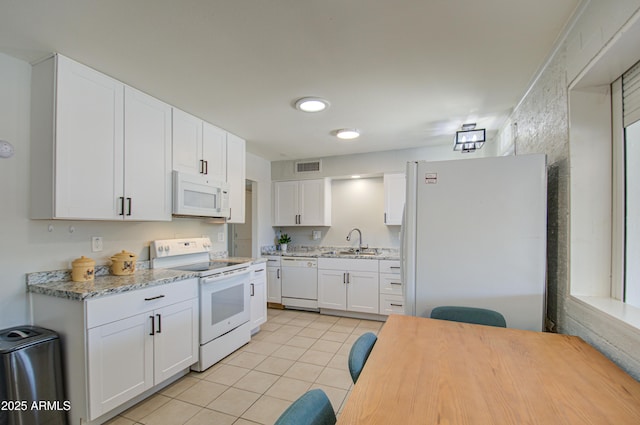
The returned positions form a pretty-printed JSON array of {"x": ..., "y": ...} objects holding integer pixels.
[{"x": 308, "y": 166}]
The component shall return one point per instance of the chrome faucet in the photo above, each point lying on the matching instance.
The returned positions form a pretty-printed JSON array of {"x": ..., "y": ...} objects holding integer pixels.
[{"x": 360, "y": 246}]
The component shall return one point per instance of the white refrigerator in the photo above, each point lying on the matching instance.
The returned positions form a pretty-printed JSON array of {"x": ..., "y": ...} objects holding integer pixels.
[{"x": 474, "y": 234}]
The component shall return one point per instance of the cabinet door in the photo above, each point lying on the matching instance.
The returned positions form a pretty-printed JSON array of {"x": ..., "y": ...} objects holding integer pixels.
[
  {"x": 214, "y": 152},
  {"x": 236, "y": 177},
  {"x": 258, "y": 298},
  {"x": 274, "y": 285},
  {"x": 362, "y": 292},
  {"x": 120, "y": 363},
  {"x": 89, "y": 143},
  {"x": 147, "y": 133},
  {"x": 175, "y": 338},
  {"x": 394, "y": 196},
  {"x": 285, "y": 203},
  {"x": 312, "y": 202},
  {"x": 187, "y": 142},
  {"x": 332, "y": 289}
]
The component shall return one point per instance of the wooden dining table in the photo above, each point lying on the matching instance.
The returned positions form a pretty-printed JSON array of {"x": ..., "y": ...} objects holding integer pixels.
[{"x": 428, "y": 371}]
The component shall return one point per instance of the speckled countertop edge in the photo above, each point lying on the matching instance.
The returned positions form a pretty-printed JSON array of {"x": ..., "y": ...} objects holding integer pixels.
[
  {"x": 58, "y": 283},
  {"x": 330, "y": 252}
]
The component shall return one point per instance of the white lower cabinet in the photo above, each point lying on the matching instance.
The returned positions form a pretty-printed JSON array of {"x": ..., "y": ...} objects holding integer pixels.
[
  {"x": 120, "y": 346},
  {"x": 348, "y": 284},
  {"x": 258, "y": 296},
  {"x": 391, "y": 288},
  {"x": 274, "y": 282}
]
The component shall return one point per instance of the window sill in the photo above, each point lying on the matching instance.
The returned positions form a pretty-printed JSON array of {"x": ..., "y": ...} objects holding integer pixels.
[{"x": 625, "y": 313}]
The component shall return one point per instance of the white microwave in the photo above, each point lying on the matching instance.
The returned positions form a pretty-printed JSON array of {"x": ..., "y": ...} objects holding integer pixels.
[{"x": 197, "y": 195}]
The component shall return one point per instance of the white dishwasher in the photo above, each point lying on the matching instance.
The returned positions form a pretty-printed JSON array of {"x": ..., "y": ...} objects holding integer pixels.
[{"x": 299, "y": 282}]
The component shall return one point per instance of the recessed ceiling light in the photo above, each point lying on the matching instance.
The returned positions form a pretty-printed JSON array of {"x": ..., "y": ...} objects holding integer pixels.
[
  {"x": 348, "y": 133},
  {"x": 311, "y": 104}
]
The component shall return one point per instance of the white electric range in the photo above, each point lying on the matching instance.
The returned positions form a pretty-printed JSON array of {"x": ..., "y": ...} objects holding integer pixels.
[{"x": 224, "y": 295}]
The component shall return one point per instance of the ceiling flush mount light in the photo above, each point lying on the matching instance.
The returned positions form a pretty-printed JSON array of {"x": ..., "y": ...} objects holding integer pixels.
[
  {"x": 468, "y": 139},
  {"x": 348, "y": 133},
  {"x": 311, "y": 104}
]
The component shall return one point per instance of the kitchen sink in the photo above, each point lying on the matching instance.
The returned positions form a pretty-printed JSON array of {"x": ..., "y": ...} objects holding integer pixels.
[{"x": 355, "y": 252}]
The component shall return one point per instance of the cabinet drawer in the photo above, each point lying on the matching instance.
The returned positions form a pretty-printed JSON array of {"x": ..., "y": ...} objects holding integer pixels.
[
  {"x": 115, "y": 307},
  {"x": 390, "y": 266},
  {"x": 272, "y": 260},
  {"x": 391, "y": 304},
  {"x": 348, "y": 264},
  {"x": 390, "y": 284}
]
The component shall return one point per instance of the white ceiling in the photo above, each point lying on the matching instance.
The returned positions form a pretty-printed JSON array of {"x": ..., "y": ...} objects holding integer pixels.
[{"x": 407, "y": 73}]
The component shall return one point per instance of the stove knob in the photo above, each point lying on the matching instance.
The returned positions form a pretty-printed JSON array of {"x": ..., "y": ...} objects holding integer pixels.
[
  {"x": 167, "y": 248},
  {"x": 160, "y": 248}
]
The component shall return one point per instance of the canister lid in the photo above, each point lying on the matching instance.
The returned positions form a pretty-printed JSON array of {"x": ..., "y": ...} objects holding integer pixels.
[
  {"x": 83, "y": 262},
  {"x": 124, "y": 256}
]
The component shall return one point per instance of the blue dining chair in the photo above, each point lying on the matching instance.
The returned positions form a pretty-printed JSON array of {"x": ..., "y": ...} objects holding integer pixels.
[
  {"x": 360, "y": 353},
  {"x": 479, "y": 316},
  {"x": 312, "y": 408}
]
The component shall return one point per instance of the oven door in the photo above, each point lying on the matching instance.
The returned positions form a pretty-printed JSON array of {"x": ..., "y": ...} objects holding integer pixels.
[{"x": 224, "y": 303}]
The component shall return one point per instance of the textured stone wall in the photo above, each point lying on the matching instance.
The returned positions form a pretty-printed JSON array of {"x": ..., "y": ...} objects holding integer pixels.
[
  {"x": 542, "y": 127},
  {"x": 540, "y": 124}
]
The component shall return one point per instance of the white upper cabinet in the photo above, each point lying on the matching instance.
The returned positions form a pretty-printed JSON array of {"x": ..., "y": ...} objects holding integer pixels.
[
  {"x": 187, "y": 143},
  {"x": 236, "y": 177},
  {"x": 199, "y": 147},
  {"x": 147, "y": 153},
  {"x": 214, "y": 152},
  {"x": 394, "y": 197},
  {"x": 302, "y": 203},
  {"x": 79, "y": 139}
]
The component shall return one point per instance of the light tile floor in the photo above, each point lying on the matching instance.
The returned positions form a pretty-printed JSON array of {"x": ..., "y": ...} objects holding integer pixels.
[{"x": 294, "y": 351}]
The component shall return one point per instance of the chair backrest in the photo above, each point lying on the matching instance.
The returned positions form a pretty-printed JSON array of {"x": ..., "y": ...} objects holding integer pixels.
[
  {"x": 480, "y": 316},
  {"x": 360, "y": 353},
  {"x": 312, "y": 408}
]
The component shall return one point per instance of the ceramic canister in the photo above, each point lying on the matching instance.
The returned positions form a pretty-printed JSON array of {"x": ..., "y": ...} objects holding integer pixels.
[
  {"x": 82, "y": 269},
  {"x": 123, "y": 263}
]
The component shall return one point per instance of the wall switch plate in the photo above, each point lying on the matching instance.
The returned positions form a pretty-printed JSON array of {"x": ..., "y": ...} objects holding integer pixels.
[
  {"x": 221, "y": 237},
  {"x": 96, "y": 243},
  {"x": 316, "y": 234}
]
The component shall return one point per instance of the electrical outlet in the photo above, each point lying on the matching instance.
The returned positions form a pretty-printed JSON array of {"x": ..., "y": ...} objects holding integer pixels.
[
  {"x": 221, "y": 237},
  {"x": 96, "y": 243}
]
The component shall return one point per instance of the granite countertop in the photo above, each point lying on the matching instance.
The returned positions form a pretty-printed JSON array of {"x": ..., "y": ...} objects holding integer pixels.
[
  {"x": 333, "y": 252},
  {"x": 58, "y": 283}
]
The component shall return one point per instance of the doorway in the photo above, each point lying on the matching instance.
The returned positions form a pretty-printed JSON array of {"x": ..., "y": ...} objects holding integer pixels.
[{"x": 241, "y": 235}]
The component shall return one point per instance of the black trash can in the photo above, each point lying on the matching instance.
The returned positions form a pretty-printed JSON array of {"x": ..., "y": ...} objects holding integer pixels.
[{"x": 31, "y": 380}]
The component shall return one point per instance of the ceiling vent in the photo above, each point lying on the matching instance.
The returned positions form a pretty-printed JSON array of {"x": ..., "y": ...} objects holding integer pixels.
[{"x": 309, "y": 167}]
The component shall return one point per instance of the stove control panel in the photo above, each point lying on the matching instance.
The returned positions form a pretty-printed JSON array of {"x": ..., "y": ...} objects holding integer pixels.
[{"x": 174, "y": 247}]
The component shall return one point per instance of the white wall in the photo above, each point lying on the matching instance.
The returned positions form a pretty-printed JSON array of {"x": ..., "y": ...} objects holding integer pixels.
[
  {"x": 27, "y": 245},
  {"x": 355, "y": 203},
  {"x": 360, "y": 202},
  {"x": 259, "y": 171},
  {"x": 375, "y": 163}
]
